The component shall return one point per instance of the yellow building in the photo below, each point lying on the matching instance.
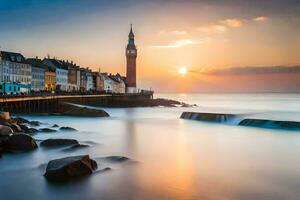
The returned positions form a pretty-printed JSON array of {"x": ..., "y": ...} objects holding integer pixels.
[{"x": 50, "y": 79}]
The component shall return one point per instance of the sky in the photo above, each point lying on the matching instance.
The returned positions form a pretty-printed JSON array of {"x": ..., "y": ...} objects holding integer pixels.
[{"x": 220, "y": 43}]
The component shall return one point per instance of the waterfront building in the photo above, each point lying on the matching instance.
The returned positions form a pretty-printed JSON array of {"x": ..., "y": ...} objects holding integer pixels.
[
  {"x": 89, "y": 80},
  {"x": 83, "y": 79},
  {"x": 131, "y": 55},
  {"x": 14, "y": 88},
  {"x": 118, "y": 85},
  {"x": 61, "y": 73},
  {"x": 72, "y": 76},
  {"x": 15, "y": 70},
  {"x": 107, "y": 82},
  {"x": 50, "y": 78},
  {"x": 97, "y": 82},
  {"x": 38, "y": 74}
]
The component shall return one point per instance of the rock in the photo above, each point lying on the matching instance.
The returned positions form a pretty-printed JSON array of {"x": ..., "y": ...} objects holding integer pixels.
[
  {"x": 34, "y": 123},
  {"x": 27, "y": 130},
  {"x": 19, "y": 120},
  {"x": 5, "y": 130},
  {"x": 19, "y": 143},
  {"x": 55, "y": 126},
  {"x": 58, "y": 142},
  {"x": 47, "y": 130},
  {"x": 16, "y": 128},
  {"x": 117, "y": 158},
  {"x": 66, "y": 128},
  {"x": 4, "y": 116},
  {"x": 68, "y": 168},
  {"x": 80, "y": 111}
]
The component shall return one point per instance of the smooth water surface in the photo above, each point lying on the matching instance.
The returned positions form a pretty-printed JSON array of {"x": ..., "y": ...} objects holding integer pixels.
[{"x": 176, "y": 158}]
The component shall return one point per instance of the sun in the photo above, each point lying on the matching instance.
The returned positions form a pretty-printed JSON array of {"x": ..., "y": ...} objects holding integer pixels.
[{"x": 182, "y": 70}]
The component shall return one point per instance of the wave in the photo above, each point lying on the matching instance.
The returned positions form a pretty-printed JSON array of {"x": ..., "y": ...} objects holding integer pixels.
[{"x": 236, "y": 119}]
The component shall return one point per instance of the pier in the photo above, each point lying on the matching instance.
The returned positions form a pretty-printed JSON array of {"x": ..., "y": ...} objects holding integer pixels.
[{"x": 52, "y": 103}]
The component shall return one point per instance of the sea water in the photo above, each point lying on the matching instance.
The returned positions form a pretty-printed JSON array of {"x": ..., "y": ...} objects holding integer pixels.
[{"x": 171, "y": 158}]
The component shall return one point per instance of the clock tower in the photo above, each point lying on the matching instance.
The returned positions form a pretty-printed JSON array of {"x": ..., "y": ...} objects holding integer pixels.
[{"x": 131, "y": 54}]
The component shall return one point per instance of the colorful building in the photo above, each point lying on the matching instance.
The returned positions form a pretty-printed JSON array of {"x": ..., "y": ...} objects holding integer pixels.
[
  {"x": 50, "y": 78},
  {"x": 61, "y": 73},
  {"x": 38, "y": 74},
  {"x": 14, "y": 69}
]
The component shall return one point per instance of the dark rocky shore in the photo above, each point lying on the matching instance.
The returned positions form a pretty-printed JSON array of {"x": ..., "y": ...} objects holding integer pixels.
[{"x": 16, "y": 137}]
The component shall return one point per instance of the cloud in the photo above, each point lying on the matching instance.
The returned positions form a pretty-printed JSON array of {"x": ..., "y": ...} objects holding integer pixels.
[
  {"x": 213, "y": 29},
  {"x": 260, "y": 18},
  {"x": 256, "y": 70},
  {"x": 233, "y": 22},
  {"x": 179, "y": 43},
  {"x": 174, "y": 32}
]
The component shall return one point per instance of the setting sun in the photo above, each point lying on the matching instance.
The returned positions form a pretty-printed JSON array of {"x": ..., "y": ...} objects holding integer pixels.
[{"x": 182, "y": 70}]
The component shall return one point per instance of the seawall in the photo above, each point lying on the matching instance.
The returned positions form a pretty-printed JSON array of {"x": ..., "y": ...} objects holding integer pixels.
[{"x": 233, "y": 119}]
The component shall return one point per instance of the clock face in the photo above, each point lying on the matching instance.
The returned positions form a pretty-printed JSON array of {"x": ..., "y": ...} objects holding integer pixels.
[{"x": 131, "y": 51}]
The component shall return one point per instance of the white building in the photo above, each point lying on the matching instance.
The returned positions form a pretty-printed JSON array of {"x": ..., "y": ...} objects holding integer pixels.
[
  {"x": 14, "y": 69},
  {"x": 89, "y": 81},
  {"x": 107, "y": 82},
  {"x": 118, "y": 84}
]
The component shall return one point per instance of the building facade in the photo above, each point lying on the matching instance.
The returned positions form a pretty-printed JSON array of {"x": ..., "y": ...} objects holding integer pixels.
[
  {"x": 97, "y": 81},
  {"x": 37, "y": 73},
  {"x": 89, "y": 80},
  {"x": 72, "y": 77},
  {"x": 61, "y": 73},
  {"x": 50, "y": 79},
  {"x": 131, "y": 55},
  {"x": 118, "y": 85},
  {"x": 15, "y": 70}
]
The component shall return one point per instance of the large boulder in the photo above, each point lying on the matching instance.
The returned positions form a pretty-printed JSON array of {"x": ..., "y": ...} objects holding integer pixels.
[
  {"x": 16, "y": 128},
  {"x": 19, "y": 143},
  {"x": 5, "y": 130},
  {"x": 4, "y": 116},
  {"x": 58, "y": 142},
  {"x": 68, "y": 168}
]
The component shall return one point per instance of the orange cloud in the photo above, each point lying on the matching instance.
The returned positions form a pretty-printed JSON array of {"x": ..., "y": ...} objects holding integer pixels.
[
  {"x": 260, "y": 18},
  {"x": 178, "y": 43},
  {"x": 233, "y": 22},
  {"x": 213, "y": 29}
]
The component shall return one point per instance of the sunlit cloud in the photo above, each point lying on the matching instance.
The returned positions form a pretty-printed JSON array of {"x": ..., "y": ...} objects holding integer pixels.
[
  {"x": 180, "y": 43},
  {"x": 174, "y": 32},
  {"x": 213, "y": 29},
  {"x": 260, "y": 18},
  {"x": 233, "y": 22}
]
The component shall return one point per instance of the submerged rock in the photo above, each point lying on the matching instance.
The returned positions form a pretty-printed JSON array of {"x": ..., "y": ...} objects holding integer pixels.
[
  {"x": 27, "y": 130},
  {"x": 117, "y": 158},
  {"x": 81, "y": 111},
  {"x": 47, "y": 130},
  {"x": 34, "y": 123},
  {"x": 55, "y": 126},
  {"x": 5, "y": 130},
  {"x": 68, "y": 168},
  {"x": 19, "y": 143},
  {"x": 58, "y": 142},
  {"x": 66, "y": 128}
]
